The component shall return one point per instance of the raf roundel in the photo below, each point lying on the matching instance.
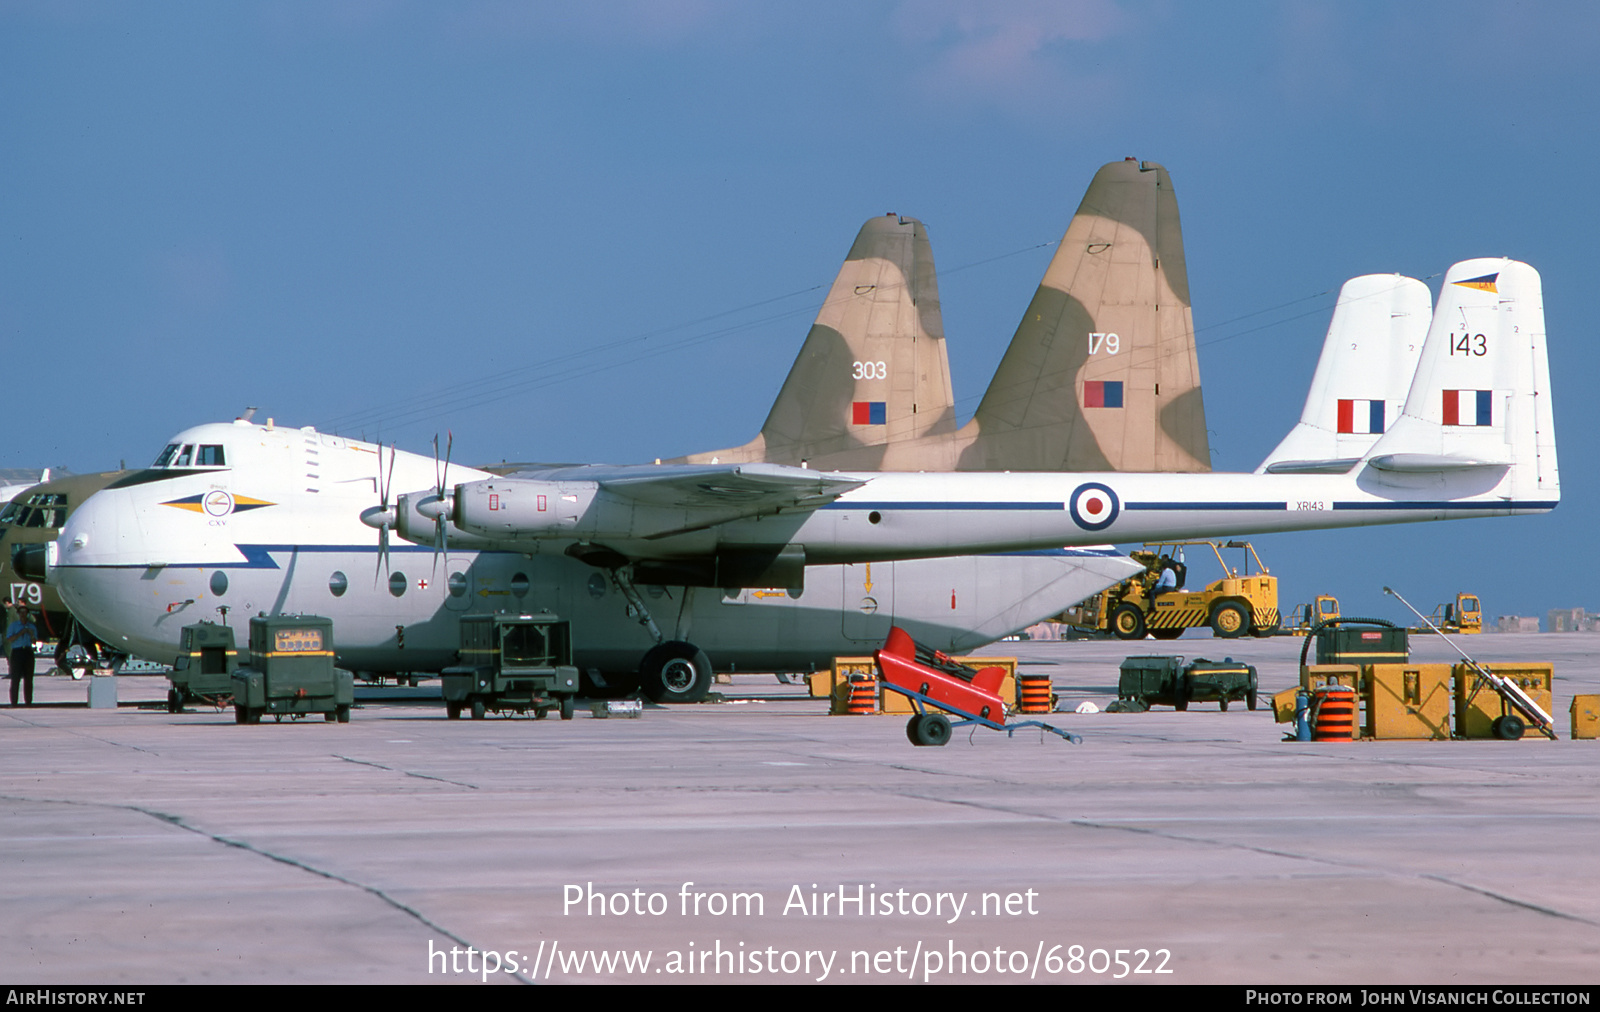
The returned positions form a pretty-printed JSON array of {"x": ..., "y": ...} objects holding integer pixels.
[{"x": 1094, "y": 506}]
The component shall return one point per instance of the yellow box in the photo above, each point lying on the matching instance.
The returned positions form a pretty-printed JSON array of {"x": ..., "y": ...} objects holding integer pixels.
[
  {"x": 1408, "y": 701},
  {"x": 1585, "y": 717},
  {"x": 1283, "y": 705},
  {"x": 1478, "y": 705}
]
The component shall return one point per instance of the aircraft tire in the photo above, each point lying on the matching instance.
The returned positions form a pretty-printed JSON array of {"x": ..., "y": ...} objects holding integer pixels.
[
  {"x": 675, "y": 672},
  {"x": 1230, "y": 620},
  {"x": 929, "y": 729},
  {"x": 1128, "y": 622},
  {"x": 1509, "y": 727}
]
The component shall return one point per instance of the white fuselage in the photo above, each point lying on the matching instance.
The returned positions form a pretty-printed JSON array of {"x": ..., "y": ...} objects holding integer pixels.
[{"x": 277, "y": 529}]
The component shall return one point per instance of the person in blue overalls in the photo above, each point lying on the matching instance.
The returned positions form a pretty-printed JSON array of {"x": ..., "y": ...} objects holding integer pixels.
[{"x": 20, "y": 636}]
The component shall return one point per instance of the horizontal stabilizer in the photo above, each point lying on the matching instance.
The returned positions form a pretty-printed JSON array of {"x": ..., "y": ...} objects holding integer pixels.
[
  {"x": 1339, "y": 465},
  {"x": 1416, "y": 463}
]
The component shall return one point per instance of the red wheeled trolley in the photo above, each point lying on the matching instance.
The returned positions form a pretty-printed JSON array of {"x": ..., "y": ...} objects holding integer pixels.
[{"x": 934, "y": 679}]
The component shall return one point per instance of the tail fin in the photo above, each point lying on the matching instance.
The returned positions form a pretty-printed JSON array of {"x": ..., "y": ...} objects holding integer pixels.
[
  {"x": 1368, "y": 359},
  {"x": 1102, "y": 373},
  {"x": 873, "y": 369},
  {"x": 1478, "y": 412}
]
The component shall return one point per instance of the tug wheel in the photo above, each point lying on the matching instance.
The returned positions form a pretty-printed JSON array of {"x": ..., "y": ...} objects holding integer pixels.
[
  {"x": 1230, "y": 621},
  {"x": 1128, "y": 622},
  {"x": 929, "y": 729}
]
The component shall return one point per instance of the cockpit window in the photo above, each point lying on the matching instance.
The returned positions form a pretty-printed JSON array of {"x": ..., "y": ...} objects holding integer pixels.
[
  {"x": 10, "y": 512},
  {"x": 210, "y": 456},
  {"x": 166, "y": 455},
  {"x": 184, "y": 456},
  {"x": 44, "y": 509}
]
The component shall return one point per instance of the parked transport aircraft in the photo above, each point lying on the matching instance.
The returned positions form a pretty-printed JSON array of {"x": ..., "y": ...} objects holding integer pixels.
[
  {"x": 872, "y": 384},
  {"x": 1475, "y": 439}
]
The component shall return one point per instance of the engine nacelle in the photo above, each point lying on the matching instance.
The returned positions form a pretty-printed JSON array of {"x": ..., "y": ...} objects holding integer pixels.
[{"x": 522, "y": 508}]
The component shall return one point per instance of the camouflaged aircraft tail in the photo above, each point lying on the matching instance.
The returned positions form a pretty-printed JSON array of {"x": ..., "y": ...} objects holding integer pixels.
[
  {"x": 873, "y": 369},
  {"x": 1102, "y": 374}
]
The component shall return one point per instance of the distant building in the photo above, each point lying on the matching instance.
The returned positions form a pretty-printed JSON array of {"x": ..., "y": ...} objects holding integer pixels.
[
  {"x": 1512, "y": 624},
  {"x": 1571, "y": 620}
]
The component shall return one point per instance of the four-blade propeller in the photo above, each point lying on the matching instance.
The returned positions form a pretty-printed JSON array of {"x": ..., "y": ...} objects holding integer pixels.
[{"x": 382, "y": 516}]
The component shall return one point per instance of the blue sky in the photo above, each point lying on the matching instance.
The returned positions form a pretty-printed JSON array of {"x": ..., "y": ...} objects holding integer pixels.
[{"x": 600, "y": 232}]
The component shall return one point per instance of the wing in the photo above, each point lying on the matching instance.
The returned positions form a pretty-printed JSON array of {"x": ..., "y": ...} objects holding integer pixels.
[{"x": 630, "y": 503}]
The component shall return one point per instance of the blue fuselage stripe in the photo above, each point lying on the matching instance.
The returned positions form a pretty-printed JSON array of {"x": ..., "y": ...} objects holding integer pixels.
[
  {"x": 986, "y": 506},
  {"x": 1207, "y": 506}
]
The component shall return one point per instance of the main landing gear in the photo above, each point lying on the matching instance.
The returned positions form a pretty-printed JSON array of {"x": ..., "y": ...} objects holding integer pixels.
[{"x": 673, "y": 671}]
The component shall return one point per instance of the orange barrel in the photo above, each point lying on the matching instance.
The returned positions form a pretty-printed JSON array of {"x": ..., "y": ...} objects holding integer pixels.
[
  {"x": 1035, "y": 693},
  {"x": 1334, "y": 714},
  {"x": 863, "y": 694}
]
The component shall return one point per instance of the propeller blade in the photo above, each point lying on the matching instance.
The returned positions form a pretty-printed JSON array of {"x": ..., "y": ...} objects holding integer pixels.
[
  {"x": 383, "y": 554},
  {"x": 385, "y": 486},
  {"x": 388, "y": 485},
  {"x": 441, "y": 541}
]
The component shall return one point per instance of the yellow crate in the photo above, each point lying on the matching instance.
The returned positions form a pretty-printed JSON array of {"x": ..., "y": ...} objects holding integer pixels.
[
  {"x": 1408, "y": 701},
  {"x": 1283, "y": 706},
  {"x": 1477, "y": 704},
  {"x": 1585, "y": 717}
]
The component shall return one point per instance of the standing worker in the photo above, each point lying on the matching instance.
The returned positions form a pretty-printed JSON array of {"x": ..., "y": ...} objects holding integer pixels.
[{"x": 20, "y": 635}]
